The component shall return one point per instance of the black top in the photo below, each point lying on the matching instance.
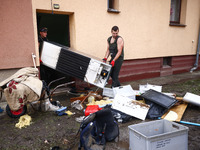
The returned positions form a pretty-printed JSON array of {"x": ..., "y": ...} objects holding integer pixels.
[
  {"x": 113, "y": 48},
  {"x": 40, "y": 40}
]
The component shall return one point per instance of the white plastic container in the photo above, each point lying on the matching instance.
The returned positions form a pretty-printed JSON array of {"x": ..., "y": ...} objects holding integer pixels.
[{"x": 158, "y": 135}]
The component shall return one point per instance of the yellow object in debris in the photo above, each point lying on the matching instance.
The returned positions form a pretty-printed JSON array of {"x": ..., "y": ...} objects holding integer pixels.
[
  {"x": 142, "y": 101},
  {"x": 69, "y": 112},
  {"x": 24, "y": 121},
  {"x": 91, "y": 99},
  {"x": 82, "y": 95},
  {"x": 171, "y": 116},
  {"x": 101, "y": 102}
]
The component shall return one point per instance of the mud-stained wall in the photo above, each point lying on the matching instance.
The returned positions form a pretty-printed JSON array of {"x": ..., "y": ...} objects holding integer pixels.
[{"x": 16, "y": 34}]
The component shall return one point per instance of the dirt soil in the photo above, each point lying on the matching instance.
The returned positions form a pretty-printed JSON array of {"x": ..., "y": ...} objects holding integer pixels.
[{"x": 49, "y": 130}]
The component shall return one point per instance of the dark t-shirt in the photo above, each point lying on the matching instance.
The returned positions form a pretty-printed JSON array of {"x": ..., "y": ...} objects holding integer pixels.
[
  {"x": 113, "y": 48},
  {"x": 40, "y": 40}
]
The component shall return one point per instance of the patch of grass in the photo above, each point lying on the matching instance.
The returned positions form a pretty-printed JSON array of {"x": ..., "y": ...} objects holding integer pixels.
[{"x": 192, "y": 86}]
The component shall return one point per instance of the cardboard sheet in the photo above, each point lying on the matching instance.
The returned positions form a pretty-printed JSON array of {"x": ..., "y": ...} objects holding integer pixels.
[
  {"x": 130, "y": 107},
  {"x": 125, "y": 91}
]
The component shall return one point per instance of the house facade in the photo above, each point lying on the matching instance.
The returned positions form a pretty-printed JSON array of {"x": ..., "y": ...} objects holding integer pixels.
[{"x": 161, "y": 37}]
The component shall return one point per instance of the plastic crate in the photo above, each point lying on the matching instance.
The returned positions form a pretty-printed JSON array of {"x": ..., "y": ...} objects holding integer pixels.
[{"x": 158, "y": 135}]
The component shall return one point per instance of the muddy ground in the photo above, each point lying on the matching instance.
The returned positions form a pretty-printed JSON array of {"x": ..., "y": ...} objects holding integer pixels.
[{"x": 49, "y": 130}]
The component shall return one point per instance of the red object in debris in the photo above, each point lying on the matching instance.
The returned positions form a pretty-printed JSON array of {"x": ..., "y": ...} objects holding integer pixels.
[
  {"x": 18, "y": 112},
  {"x": 92, "y": 109}
]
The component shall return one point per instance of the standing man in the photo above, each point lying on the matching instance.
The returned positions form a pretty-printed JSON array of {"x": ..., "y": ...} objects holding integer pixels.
[
  {"x": 115, "y": 48},
  {"x": 42, "y": 37},
  {"x": 46, "y": 73}
]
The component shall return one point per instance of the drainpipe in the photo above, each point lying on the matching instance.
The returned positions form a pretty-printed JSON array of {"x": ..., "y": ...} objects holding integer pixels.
[{"x": 197, "y": 55}]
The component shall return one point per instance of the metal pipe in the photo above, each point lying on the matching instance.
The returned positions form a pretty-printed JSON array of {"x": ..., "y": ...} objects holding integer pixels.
[
  {"x": 33, "y": 57},
  {"x": 197, "y": 55}
]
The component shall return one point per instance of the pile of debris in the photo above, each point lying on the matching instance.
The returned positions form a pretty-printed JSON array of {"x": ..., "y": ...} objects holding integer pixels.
[{"x": 149, "y": 102}]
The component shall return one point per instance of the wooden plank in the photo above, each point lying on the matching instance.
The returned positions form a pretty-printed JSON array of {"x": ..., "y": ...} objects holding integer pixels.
[{"x": 179, "y": 109}]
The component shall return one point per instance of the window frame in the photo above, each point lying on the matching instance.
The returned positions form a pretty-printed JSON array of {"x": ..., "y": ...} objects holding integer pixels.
[
  {"x": 181, "y": 15},
  {"x": 112, "y": 6},
  {"x": 167, "y": 61}
]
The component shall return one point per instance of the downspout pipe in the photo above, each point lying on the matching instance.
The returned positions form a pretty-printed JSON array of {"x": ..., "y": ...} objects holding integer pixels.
[{"x": 197, "y": 55}]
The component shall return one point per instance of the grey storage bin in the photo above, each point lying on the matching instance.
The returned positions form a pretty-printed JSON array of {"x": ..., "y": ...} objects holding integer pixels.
[{"x": 158, "y": 135}]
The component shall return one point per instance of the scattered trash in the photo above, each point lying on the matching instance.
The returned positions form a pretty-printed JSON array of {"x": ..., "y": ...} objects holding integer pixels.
[
  {"x": 190, "y": 123},
  {"x": 120, "y": 116},
  {"x": 66, "y": 113},
  {"x": 171, "y": 116},
  {"x": 65, "y": 141},
  {"x": 46, "y": 142},
  {"x": 144, "y": 88},
  {"x": 179, "y": 108},
  {"x": 1, "y": 110},
  {"x": 91, "y": 99},
  {"x": 130, "y": 106},
  {"x": 46, "y": 105},
  {"x": 91, "y": 109},
  {"x": 101, "y": 103},
  {"x": 108, "y": 92},
  {"x": 80, "y": 98},
  {"x": 61, "y": 111},
  {"x": 77, "y": 104},
  {"x": 170, "y": 94},
  {"x": 192, "y": 98},
  {"x": 83, "y": 96},
  {"x": 125, "y": 91},
  {"x": 159, "y": 103},
  {"x": 24, "y": 121},
  {"x": 69, "y": 113},
  {"x": 80, "y": 119}
]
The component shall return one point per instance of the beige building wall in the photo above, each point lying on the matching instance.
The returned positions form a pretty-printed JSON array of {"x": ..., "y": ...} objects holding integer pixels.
[
  {"x": 144, "y": 25},
  {"x": 16, "y": 34}
]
